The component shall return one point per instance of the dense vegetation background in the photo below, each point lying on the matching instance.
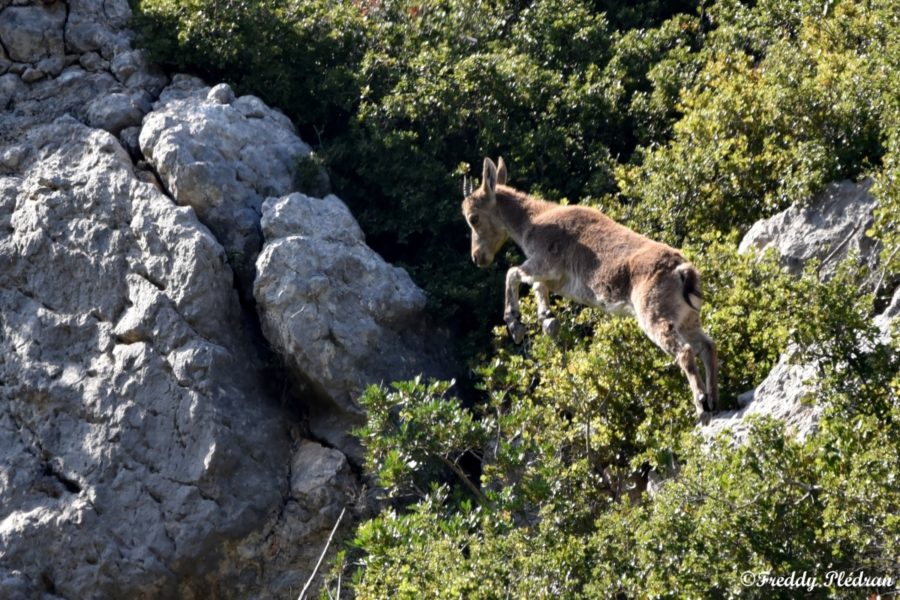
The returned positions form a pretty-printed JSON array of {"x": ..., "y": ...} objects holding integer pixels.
[{"x": 687, "y": 120}]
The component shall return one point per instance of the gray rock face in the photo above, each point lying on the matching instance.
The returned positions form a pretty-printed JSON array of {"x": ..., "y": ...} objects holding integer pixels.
[
  {"x": 142, "y": 451},
  {"x": 71, "y": 58},
  {"x": 140, "y": 429},
  {"x": 31, "y": 33},
  {"x": 787, "y": 393},
  {"x": 222, "y": 156},
  {"x": 135, "y": 430},
  {"x": 830, "y": 227},
  {"x": 340, "y": 315}
]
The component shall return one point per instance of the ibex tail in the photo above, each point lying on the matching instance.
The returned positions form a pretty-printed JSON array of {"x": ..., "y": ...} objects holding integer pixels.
[{"x": 690, "y": 279}]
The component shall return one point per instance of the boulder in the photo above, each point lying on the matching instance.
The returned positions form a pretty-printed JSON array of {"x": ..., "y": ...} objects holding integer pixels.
[
  {"x": 341, "y": 316},
  {"x": 133, "y": 70},
  {"x": 832, "y": 225},
  {"x": 117, "y": 111},
  {"x": 30, "y": 33},
  {"x": 137, "y": 433},
  {"x": 98, "y": 26},
  {"x": 222, "y": 156},
  {"x": 787, "y": 393}
]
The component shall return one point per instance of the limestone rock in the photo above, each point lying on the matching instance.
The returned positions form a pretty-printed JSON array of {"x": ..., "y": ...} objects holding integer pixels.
[
  {"x": 60, "y": 54},
  {"x": 222, "y": 159},
  {"x": 10, "y": 86},
  {"x": 50, "y": 98},
  {"x": 98, "y": 26},
  {"x": 136, "y": 432},
  {"x": 52, "y": 66},
  {"x": 117, "y": 111},
  {"x": 93, "y": 62},
  {"x": 787, "y": 393},
  {"x": 340, "y": 315},
  {"x": 31, "y": 75},
  {"x": 832, "y": 225},
  {"x": 133, "y": 70},
  {"x": 31, "y": 33},
  {"x": 140, "y": 431},
  {"x": 221, "y": 93}
]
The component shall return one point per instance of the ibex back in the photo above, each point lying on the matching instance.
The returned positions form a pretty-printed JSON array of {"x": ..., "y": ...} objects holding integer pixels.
[{"x": 580, "y": 253}]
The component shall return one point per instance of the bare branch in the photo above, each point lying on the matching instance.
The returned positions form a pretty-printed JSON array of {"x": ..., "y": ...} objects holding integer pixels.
[{"x": 322, "y": 556}]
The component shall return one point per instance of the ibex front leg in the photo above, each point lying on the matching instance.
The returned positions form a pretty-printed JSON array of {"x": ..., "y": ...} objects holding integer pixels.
[
  {"x": 548, "y": 322},
  {"x": 529, "y": 273}
]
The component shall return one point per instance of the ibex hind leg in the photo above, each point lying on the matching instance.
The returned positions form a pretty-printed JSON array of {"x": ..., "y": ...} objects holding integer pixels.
[
  {"x": 661, "y": 310},
  {"x": 705, "y": 349},
  {"x": 664, "y": 335}
]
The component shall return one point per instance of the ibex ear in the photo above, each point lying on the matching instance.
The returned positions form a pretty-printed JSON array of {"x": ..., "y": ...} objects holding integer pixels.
[
  {"x": 489, "y": 178},
  {"x": 501, "y": 172}
]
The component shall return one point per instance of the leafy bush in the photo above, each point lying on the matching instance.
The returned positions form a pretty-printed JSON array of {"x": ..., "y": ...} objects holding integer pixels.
[
  {"x": 299, "y": 56},
  {"x": 783, "y": 104}
]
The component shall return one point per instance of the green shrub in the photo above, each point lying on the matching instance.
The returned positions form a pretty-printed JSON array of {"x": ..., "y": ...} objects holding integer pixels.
[
  {"x": 786, "y": 101},
  {"x": 300, "y": 56}
]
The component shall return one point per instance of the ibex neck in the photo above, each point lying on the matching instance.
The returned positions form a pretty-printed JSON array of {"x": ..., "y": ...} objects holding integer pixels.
[{"x": 517, "y": 210}]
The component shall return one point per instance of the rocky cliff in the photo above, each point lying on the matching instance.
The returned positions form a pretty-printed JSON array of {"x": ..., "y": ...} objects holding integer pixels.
[{"x": 155, "y": 439}]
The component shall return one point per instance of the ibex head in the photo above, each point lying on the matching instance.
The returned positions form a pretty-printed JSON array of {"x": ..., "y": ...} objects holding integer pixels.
[{"x": 479, "y": 207}]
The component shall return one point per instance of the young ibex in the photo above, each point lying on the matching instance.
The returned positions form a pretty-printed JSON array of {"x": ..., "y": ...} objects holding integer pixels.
[{"x": 580, "y": 253}]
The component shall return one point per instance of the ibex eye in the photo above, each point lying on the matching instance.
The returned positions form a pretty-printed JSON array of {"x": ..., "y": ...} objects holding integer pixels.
[{"x": 473, "y": 220}]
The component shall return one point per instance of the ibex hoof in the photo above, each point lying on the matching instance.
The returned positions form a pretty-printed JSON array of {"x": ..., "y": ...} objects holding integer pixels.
[
  {"x": 517, "y": 331},
  {"x": 551, "y": 327},
  {"x": 705, "y": 402}
]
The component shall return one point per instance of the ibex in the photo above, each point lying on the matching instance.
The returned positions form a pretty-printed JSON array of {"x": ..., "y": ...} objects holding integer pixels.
[{"x": 581, "y": 254}]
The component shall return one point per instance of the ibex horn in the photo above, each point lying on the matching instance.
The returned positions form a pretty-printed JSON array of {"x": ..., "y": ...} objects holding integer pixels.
[{"x": 467, "y": 185}]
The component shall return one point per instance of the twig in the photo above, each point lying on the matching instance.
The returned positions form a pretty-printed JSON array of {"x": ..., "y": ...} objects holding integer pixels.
[
  {"x": 322, "y": 556},
  {"x": 479, "y": 495}
]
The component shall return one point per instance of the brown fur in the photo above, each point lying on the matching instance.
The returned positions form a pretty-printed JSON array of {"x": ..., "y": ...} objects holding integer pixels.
[{"x": 580, "y": 253}]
